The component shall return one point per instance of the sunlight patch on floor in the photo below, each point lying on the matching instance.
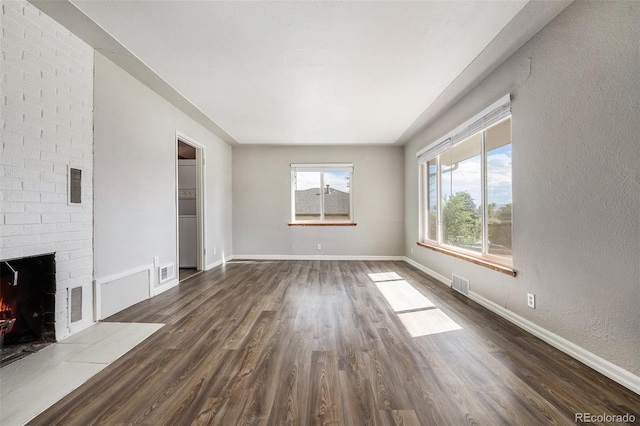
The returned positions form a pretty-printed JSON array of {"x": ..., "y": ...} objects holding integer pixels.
[
  {"x": 402, "y": 296},
  {"x": 385, "y": 276},
  {"x": 424, "y": 317},
  {"x": 426, "y": 322}
]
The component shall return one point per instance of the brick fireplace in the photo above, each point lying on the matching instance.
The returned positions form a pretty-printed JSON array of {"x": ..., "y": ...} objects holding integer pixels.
[{"x": 47, "y": 135}]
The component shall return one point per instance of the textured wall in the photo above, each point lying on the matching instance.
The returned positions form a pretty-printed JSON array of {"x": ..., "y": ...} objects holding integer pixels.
[
  {"x": 576, "y": 180},
  {"x": 47, "y": 104},
  {"x": 262, "y": 202}
]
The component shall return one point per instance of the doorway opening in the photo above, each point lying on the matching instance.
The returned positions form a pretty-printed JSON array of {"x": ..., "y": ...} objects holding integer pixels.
[{"x": 190, "y": 207}]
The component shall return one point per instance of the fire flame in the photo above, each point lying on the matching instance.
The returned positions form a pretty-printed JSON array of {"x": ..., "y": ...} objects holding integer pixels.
[{"x": 4, "y": 307}]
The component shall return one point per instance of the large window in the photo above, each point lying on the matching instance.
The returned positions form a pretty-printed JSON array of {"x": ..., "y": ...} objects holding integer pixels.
[
  {"x": 321, "y": 193},
  {"x": 465, "y": 188}
]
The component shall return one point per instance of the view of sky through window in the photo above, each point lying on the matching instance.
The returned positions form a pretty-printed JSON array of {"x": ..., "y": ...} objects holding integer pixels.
[{"x": 336, "y": 180}]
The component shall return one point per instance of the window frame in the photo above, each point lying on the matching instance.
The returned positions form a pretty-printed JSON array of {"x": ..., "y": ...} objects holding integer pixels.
[
  {"x": 322, "y": 168},
  {"x": 433, "y": 152}
]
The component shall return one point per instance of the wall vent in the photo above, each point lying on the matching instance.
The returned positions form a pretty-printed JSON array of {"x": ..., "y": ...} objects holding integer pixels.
[
  {"x": 75, "y": 186},
  {"x": 75, "y": 305},
  {"x": 460, "y": 284},
  {"x": 167, "y": 272}
]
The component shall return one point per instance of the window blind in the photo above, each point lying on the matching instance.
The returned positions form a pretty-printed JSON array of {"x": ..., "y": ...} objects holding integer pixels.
[
  {"x": 434, "y": 150},
  {"x": 335, "y": 167},
  {"x": 490, "y": 115}
]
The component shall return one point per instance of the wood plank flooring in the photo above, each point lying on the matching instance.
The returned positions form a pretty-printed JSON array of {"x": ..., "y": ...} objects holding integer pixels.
[
  {"x": 185, "y": 273},
  {"x": 315, "y": 342}
]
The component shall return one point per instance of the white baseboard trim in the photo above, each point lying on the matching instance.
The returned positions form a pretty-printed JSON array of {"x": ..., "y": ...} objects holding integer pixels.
[
  {"x": 601, "y": 365},
  {"x": 312, "y": 257},
  {"x": 444, "y": 280},
  {"x": 214, "y": 264},
  {"x": 218, "y": 263},
  {"x": 123, "y": 274},
  {"x": 164, "y": 287},
  {"x": 99, "y": 282}
]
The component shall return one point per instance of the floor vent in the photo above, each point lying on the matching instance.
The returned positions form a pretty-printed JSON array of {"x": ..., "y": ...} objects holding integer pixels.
[
  {"x": 167, "y": 272},
  {"x": 460, "y": 284}
]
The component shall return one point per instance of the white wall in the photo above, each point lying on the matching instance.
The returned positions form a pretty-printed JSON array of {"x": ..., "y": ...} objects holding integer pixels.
[
  {"x": 47, "y": 103},
  {"x": 135, "y": 176},
  {"x": 576, "y": 180},
  {"x": 262, "y": 202}
]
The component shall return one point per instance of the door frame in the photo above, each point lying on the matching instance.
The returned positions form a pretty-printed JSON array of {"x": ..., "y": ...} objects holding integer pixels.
[{"x": 201, "y": 202}]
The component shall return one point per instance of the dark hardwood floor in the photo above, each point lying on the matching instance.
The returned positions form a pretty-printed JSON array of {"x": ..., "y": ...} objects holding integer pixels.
[
  {"x": 315, "y": 342},
  {"x": 185, "y": 273}
]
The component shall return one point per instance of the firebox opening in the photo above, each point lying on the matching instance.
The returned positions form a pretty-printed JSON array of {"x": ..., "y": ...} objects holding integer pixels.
[{"x": 27, "y": 305}]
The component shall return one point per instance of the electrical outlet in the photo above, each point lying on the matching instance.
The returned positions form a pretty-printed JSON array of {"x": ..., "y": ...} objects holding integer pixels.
[
  {"x": 156, "y": 262},
  {"x": 531, "y": 300},
  {"x": 411, "y": 250},
  {"x": 215, "y": 249},
  {"x": 318, "y": 246}
]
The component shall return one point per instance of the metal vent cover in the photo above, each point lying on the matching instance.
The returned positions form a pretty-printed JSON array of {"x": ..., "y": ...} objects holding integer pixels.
[
  {"x": 75, "y": 186},
  {"x": 460, "y": 284},
  {"x": 167, "y": 272},
  {"x": 75, "y": 304}
]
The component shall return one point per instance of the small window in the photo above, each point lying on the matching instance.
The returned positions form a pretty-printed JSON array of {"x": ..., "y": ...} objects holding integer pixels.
[
  {"x": 321, "y": 193},
  {"x": 465, "y": 188}
]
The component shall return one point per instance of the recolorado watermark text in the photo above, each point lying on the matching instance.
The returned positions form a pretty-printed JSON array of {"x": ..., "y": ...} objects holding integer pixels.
[{"x": 604, "y": 418}]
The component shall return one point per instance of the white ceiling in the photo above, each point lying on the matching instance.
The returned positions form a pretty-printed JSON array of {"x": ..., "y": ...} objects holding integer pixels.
[{"x": 302, "y": 72}]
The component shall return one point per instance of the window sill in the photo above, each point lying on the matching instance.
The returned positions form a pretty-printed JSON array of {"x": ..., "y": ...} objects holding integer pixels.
[
  {"x": 475, "y": 260},
  {"x": 322, "y": 224}
]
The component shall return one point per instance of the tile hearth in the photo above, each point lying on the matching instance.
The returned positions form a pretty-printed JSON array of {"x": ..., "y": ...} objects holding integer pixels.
[{"x": 32, "y": 384}]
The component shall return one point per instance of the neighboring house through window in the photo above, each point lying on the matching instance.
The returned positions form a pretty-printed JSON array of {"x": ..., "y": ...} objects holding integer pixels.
[
  {"x": 465, "y": 187},
  {"x": 321, "y": 193}
]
